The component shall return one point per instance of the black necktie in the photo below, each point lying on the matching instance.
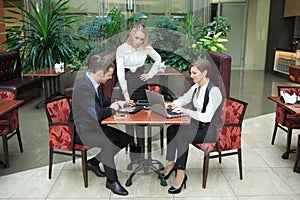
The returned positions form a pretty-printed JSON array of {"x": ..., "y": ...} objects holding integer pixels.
[{"x": 99, "y": 95}]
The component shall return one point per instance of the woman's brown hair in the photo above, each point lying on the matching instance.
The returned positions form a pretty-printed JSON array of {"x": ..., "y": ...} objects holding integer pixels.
[{"x": 202, "y": 65}]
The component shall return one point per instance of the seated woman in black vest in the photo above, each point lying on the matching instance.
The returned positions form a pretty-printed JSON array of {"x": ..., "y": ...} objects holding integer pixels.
[{"x": 206, "y": 100}]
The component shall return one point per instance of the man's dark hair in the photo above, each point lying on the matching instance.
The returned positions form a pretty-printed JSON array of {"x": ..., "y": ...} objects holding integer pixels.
[{"x": 97, "y": 63}]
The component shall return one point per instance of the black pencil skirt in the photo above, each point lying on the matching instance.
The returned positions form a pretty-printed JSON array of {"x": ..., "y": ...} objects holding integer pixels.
[{"x": 135, "y": 86}]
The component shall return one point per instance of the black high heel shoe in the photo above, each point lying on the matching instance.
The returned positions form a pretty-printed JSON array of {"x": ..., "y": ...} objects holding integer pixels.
[
  {"x": 170, "y": 172},
  {"x": 173, "y": 190}
]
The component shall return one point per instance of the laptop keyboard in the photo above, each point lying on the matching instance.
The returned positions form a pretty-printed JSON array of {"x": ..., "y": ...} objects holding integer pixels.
[{"x": 170, "y": 112}]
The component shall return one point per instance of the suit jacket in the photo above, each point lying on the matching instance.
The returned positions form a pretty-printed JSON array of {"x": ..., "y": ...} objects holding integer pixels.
[{"x": 86, "y": 107}]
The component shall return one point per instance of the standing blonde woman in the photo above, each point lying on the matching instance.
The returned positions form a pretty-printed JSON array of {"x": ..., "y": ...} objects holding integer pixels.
[{"x": 130, "y": 58}]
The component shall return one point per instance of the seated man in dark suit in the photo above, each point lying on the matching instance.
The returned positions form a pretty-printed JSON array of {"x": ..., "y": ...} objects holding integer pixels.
[
  {"x": 92, "y": 164},
  {"x": 89, "y": 109}
]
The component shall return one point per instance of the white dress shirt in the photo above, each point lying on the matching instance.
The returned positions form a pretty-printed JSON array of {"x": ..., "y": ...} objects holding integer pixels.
[
  {"x": 215, "y": 99},
  {"x": 129, "y": 58}
]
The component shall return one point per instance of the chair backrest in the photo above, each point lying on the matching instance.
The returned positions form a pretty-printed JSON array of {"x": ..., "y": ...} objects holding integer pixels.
[
  {"x": 58, "y": 110},
  {"x": 230, "y": 137},
  {"x": 223, "y": 63},
  {"x": 107, "y": 87},
  {"x": 12, "y": 121},
  {"x": 7, "y": 95},
  {"x": 61, "y": 132},
  {"x": 289, "y": 89},
  {"x": 294, "y": 73},
  {"x": 10, "y": 65}
]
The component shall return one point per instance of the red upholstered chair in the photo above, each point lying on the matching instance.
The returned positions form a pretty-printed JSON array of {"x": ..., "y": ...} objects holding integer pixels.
[
  {"x": 286, "y": 120},
  {"x": 297, "y": 163},
  {"x": 230, "y": 133},
  {"x": 62, "y": 133},
  {"x": 294, "y": 73},
  {"x": 9, "y": 125}
]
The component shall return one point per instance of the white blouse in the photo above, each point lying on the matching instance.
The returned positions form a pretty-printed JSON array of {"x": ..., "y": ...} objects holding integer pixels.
[
  {"x": 129, "y": 58},
  {"x": 215, "y": 99}
]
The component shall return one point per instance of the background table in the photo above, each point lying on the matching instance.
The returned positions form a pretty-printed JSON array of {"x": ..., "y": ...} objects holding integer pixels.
[
  {"x": 51, "y": 80},
  {"x": 147, "y": 118},
  {"x": 292, "y": 108},
  {"x": 7, "y": 106}
]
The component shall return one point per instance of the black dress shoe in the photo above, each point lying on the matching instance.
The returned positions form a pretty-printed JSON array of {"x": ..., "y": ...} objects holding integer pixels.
[
  {"x": 173, "y": 190},
  {"x": 95, "y": 169},
  {"x": 116, "y": 187}
]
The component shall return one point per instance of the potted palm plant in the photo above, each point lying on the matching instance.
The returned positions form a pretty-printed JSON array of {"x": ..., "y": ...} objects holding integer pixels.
[{"x": 46, "y": 36}]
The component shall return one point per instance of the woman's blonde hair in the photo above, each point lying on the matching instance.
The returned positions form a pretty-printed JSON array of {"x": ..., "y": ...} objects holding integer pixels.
[{"x": 142, "y": 28}]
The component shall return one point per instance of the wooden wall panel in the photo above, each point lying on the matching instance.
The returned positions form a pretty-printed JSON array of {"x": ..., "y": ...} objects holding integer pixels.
[{"x": 291, "y": 8}]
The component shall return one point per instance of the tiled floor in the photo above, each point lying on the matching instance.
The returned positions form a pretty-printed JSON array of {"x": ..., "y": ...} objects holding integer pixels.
[{"x": 266, "y": 175}]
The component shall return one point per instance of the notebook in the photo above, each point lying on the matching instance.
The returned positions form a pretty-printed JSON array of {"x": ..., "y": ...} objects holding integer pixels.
[
  {"x": 130, "y": 109},
  {"x": 157, "y": 104}
]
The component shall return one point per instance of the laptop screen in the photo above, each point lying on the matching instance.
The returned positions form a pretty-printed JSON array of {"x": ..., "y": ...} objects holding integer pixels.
[{"x": 157, "y": 104}]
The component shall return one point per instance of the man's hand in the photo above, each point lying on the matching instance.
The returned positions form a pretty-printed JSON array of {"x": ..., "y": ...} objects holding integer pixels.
[
  {"x": 121, "y": 104},
  {"x": 115, "y": 106}
]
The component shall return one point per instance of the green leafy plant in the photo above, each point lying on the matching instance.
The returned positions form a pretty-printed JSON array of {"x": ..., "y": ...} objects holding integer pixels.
[
  {"x": 213, "y": 43},
  {"x": 190, "y": 29},
  {"x": 46, "y": 37},
  {"x": 166, "y": 22},
  {"x": 80, "y": 54},
  {"x": 95, "y": 30},
  {"x": 135, "y": 17},
  {"x": 211, "y": 35},
  {"x": 117, "y": 22},
  {"x": 219, "y": 24}
]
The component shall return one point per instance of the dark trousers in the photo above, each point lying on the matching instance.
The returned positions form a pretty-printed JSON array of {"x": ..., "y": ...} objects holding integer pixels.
[
  {"x": 178, "y": 139},
  {"x": 111, "y": 141}
]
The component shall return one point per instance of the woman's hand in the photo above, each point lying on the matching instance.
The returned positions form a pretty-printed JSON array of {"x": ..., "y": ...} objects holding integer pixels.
[
  {"x": 170, "y": 105},
  {"x": 127, "y": 101},
  {"x": 178, "y": 109},
  {"x": 126, "y": 96},
  {"x": 144, "y": 77},
  {"x": 130, "y": 103}
]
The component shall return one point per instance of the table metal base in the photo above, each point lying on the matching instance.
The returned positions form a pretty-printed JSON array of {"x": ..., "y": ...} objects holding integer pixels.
[{"x": 146, "y": 163}]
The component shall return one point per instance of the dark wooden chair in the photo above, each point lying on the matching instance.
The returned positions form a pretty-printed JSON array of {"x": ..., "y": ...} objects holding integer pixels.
[
  {"x": 9, "y": 125},
  {"x": 62, "y": 134}
]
